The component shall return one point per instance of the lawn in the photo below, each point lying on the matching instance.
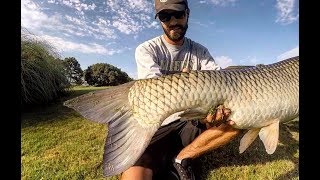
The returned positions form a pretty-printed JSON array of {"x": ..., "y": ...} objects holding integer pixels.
[{"x": 57, "y": 143}]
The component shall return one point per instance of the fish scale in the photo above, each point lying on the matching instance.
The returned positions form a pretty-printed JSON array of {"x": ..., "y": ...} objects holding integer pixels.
[
  {"x": 258, "y": 88},
  {"x": 259, "y": 99}
]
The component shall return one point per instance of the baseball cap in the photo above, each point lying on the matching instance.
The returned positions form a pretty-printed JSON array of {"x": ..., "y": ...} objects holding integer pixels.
[{"x": 177, "y": 5}]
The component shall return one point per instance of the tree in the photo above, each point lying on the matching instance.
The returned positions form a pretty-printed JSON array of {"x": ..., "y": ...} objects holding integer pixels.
[
  {"x": 104, "y": 74},
  {"x": 73, "y": 70}
]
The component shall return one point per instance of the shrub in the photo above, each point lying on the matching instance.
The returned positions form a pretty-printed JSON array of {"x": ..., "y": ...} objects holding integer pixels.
[{"x": 43, "y": 78}]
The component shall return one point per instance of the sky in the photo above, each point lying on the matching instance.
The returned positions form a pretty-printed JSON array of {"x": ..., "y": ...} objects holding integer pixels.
[{"x": 236, "y": 32}]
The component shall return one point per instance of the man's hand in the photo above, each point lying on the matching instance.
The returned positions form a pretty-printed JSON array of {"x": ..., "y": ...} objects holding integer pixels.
[
  {"x": 185, "y": 70},
  {"x": 219, "y": 132},
  {"x": 217, "y": 116}
]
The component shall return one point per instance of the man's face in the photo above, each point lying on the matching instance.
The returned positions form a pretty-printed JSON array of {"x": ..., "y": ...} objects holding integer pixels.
[{"x": 174, "y": 24}]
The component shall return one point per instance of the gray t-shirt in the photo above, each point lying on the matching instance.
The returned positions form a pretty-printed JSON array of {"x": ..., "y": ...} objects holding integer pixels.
[{"x": 157, "y": 57}]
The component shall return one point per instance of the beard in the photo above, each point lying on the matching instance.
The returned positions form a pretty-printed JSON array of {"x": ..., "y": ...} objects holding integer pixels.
[{"x": 175, "y": 35}]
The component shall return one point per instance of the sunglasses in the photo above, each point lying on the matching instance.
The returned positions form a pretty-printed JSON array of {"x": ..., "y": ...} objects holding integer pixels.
[{"x": 165, "y": 17}]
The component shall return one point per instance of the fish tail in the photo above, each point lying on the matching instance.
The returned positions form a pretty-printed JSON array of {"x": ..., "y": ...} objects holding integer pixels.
[
  {"x": 102, "y": 106},
  {"x": 125, "y": 143},
  {"x": 126, "y": 139}
]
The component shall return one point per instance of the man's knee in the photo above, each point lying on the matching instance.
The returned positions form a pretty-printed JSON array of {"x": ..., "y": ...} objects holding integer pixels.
[
  {"x": 189, "y": 132},
  {"x": 137, "y": 173}
]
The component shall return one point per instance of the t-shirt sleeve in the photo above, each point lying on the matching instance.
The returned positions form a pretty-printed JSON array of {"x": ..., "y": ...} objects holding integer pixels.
[
  {"x": 146, "y": 63},
  {"x": 207, "y": 62}
]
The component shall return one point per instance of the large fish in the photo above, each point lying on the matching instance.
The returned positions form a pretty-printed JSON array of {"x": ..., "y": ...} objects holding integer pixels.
[{"x": 259, "y": 98}]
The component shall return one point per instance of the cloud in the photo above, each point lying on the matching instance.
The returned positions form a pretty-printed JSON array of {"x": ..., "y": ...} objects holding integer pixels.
[
  {"x": 219, "y": 2},
  {"x": 253, "y": 61},
  {"x": 198, "y": 23},
  {"x": 223, "y": 61},
  {"x": 286, "y": 13},
  {"x": 250, "y": 61},
  {"x": 103, "y": 21},
  {"x": 126, "y": 26},
  {"x": 91, "y": 48},
  {"x": 31, "y": 15},
  {"x": 133, "y": 75},
  {"x": 76, "y": 4},
  {"x": 135, "y": 6},
  {"x": 154, "y": 24},
  {"x": 34, "y": 19},
  {"x": 291, "y": 53},
  {"x": 66, "y": 22},
  {"x": 130, "y": 17}
]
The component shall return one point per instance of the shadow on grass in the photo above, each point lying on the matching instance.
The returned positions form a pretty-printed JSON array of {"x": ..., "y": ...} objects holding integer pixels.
[
  {"x": 47, "y": 115},
  {"x": 54, "y": 111},
  {"x": 228, "y": 155}
]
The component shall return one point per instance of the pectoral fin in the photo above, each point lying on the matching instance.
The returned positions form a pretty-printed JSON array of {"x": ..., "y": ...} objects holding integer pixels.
[
  {"x": 247, "y": 139},
  {"x": 171, "y": 118},
  {"x": 189, "y": 114},
  {"x": 269, "y": 136}
]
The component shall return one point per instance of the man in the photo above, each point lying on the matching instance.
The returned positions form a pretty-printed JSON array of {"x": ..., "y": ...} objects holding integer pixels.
[{"x": 174, "y": 145}]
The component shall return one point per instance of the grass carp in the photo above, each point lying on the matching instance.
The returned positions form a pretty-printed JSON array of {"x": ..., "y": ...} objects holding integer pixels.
[{"x": 259, "y": 97}]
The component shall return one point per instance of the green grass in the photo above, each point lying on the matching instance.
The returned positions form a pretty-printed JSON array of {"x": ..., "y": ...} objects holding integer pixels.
[
  {"x": 57, "y": 143},
  {"x": 255, "y": 163}
]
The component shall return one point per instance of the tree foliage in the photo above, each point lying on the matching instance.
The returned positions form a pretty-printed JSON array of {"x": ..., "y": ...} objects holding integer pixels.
[
  {"x": 104, "y": 74},
  {"x": 73, "y": 70}
]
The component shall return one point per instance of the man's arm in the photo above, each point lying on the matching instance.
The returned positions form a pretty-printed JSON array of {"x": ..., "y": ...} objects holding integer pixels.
[
  {"x": 207, "y": 62},
  {"x": 146, "y": 66},
  {"x": 211, "y": 139}
]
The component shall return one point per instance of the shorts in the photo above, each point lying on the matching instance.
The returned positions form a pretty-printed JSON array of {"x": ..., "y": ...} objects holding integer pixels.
[{"x": 167, "y": 142}]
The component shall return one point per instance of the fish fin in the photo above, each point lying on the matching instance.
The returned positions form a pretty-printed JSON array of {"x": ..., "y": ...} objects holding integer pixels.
[
  {"x": 269, "y": 136},
  {"x": 186, "y": 115},
  {"x": 102, "y": 106},
  {"x": 126, "y": 139},
  {"x": 125, "y": 143},
  {"x": 247, "y": 139},
  {"x": 171, "y": 118}
]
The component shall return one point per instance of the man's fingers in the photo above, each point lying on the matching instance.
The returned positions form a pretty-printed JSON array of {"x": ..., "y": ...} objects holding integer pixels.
[
  {"x": 209, "y": 117},
  {"x": 226, "y": 112},
  {"x": 219, "y": 115},
  {"x": 230, "y": 122},
  {"x": 222, "y": 114},
  {"x": 185, "y": 70}
]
